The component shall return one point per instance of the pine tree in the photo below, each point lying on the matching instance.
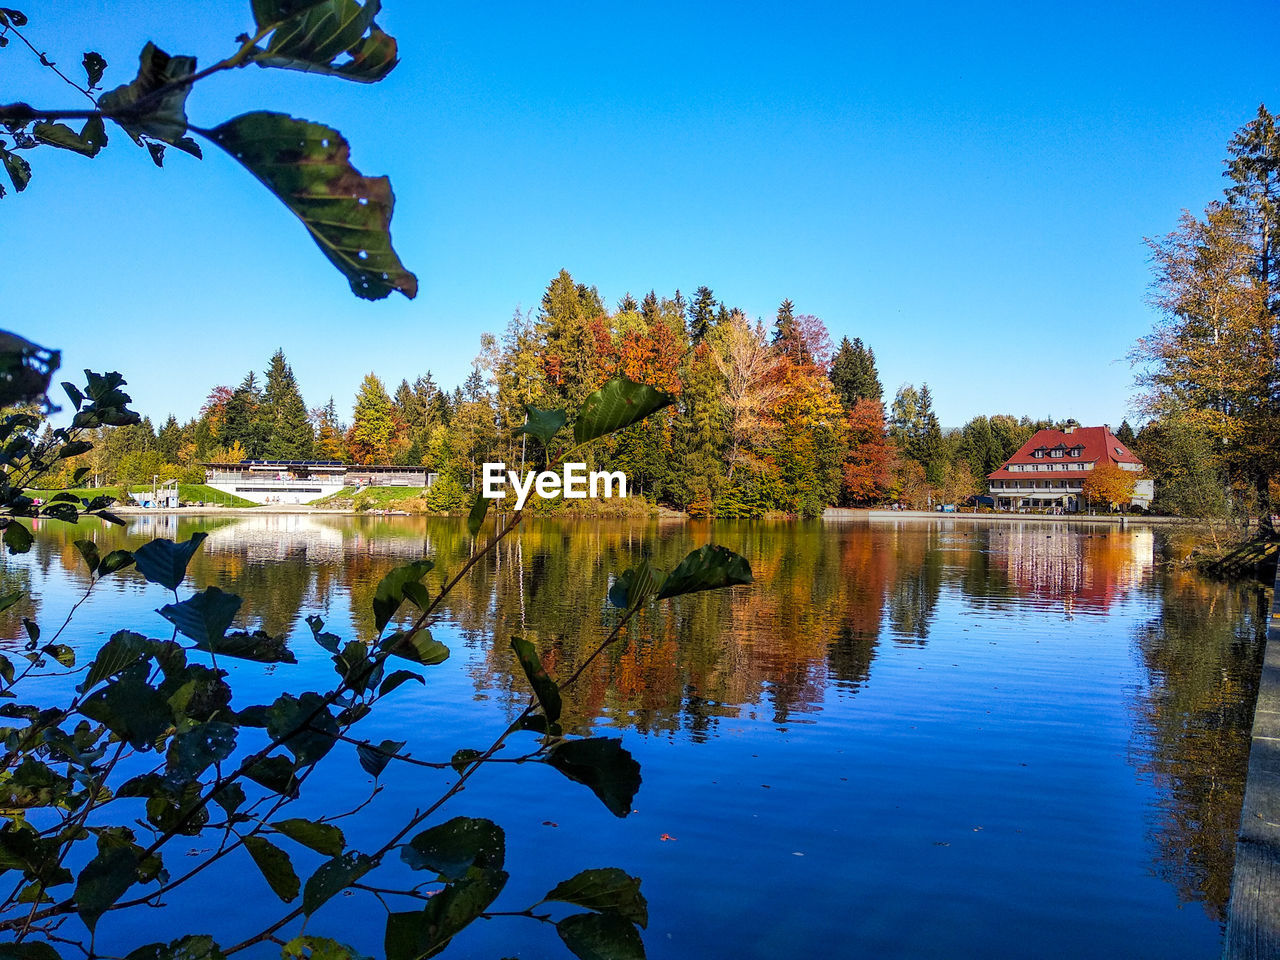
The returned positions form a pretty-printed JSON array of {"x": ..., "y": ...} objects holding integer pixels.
[
  {"x": 628, "y": 304},
  {"x": 853, "y": 374},
  {"x": 1254, "y": 170},
  {"x": 1125, "y": 434},
  {"x": 372, "y": 425},
  {"x": 290, "y": 435},
  {"x": 784, "y": 324},
  {"x": 243, "y": 420},
  {"x": 702, "y": 314},
  {"x": 169, "y": 440}
]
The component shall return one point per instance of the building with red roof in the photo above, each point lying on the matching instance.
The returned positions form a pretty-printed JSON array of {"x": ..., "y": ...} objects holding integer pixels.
[{"x": 1049, "y": 470}]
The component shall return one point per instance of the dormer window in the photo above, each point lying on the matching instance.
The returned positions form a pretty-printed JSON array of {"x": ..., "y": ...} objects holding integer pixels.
[
  {"x": 1076, "y": 451},
  {"x": 1038, "y": 453}
]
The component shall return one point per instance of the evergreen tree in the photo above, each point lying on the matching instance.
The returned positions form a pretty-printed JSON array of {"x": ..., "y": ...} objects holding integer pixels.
[
  {"x": 562, "y": 326},
  {"x": 243, "y": 421},
  {"x": 649, "y": 307},
  {"x": 784, "y": 325},
  {"x": 928, "y": 450},
  {"x": 169, "y": 440},
  {"x": 702, "y": 314},
  {"x": 628, "y": 304},
  {"x": 853, "y": 374},
  {"x": 1254, "y": 170},
  {"x": 290, "y": 436},
  {"x": 1125, "y": 434},
  {"x": 372, "y": 426}
]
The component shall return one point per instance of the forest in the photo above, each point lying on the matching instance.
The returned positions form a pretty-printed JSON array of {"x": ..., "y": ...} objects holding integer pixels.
[{"x": 775, "y": 419}]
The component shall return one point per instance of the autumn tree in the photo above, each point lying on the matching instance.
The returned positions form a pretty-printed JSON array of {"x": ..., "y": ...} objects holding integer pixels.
[
  {"x": 330, "y": 443},
  {"x": 866, "y": 466},
  {"x": 1107, "y": 483},
  {"x": 753, "y": 383},
  {"x": 372, "y": 427}
]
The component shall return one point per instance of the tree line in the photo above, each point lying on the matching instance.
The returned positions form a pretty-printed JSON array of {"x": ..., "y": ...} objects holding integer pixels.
[{"x": 767, "y": 419}]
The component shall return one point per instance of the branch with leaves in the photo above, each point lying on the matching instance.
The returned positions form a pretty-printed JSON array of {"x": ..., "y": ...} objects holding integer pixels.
[
  {"x": 229, "y": 772},
  {"x": 306, "y": 165}
]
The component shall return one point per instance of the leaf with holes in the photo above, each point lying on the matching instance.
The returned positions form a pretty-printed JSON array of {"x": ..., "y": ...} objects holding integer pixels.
[
  {"x": 18, "y": 169},
  {"x": 333, "y": 37},
  {"x": 307, "y": 166},
  {"x": 197, "y": 947},
  {"x": 17, "y": 537},
  {"x": 142, "y": 109},
  {"x": 94, "y": 67},
  {"x": 453, "y": 848},
  {"x": 91, "y": 138},
  {"x": 332, "y": 877}
]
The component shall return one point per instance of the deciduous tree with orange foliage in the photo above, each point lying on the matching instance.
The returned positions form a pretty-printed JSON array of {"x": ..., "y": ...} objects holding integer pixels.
[{"x": 1107, "y": 483}]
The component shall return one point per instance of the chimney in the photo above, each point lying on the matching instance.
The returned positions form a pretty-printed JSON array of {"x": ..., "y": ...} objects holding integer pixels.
[{"x": 1070, "y": 429}]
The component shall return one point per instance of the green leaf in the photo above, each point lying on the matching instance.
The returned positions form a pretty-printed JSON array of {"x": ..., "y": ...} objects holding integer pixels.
[
  {"x": 304, "y": 725},
  {"x": 451, "y": 849},
  {"x": 89, "y": 550},
  {"x": 30, "y": 950},
  {"x": 60, "y": 652},
  {"x": 318, "y": 948},
  {"x": 258, "y": 646},
  {"x": 389, "y": 594},
  {"x": 104, "y": 880},
  {"x": 418, "y": 595},
  {"x": 396, "y": 679},
  {"x": 464, "y": 758},
  {"x": 91, "y": 138},
  {"x": 602, "y": 764},
  {"x": 634, "y": 587},
  {"x": 413, "y": 935},
  {"x": 618, "y": 404},
  {"x": 9, "y": 599},
  {"x": 204, "y": 617},
  {"x": 142, "y": 110},
  {"x": 18, "y": 169},
  {"x": 17, "y": 537},
  {"x": 606, "y": 890},
  {"x": 61, "y": 511},
  {"x": 230, "y": 797},
  {"x": 25, "y": 370},
  {"x": 94, "y": 67},
  {"x": 131, "y": 708},
  {"x": 165, "y": 562},
  {"x": 275, "y": 866},
  {"x": 320, "y": 837},
  {"x": 420, "y": 647},
  {"x": 311, "y": 41},
  {"x": 597, "y": 936},
  {"x": 543, "y": 424},
  {"x": 544, "y": 688},
  {"x": 479, "y": 507},
  {"x": 307, "y": 166},
  {"x": 707, "y": 568},
  {"x": 115, "y": 560},
  {"x": 74, "y": 449},
  {"x": 195, "y": 751},
  {"x": 330, "y": 641},
  {"x": 199, "y": 947},
  {"x": 124, "y": 649},
  {"x": 374, "y": 759},
  {"x": 333, "y": 877},
  {"x": 276, "y": 774}
]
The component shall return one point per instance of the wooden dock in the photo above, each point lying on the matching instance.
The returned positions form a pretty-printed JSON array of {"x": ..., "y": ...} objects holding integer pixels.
[{"x": 1253, "y": 921}]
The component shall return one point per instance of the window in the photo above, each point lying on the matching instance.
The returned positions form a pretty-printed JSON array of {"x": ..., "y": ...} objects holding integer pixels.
[
  {"x": 1056, "y": 454},
  {"x": 1038, "y": 453}
]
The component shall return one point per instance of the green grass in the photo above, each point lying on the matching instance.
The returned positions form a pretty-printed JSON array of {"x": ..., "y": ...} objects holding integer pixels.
[
  {"x": 187, "y": 492},
  {"x": 378, "y": 498}
]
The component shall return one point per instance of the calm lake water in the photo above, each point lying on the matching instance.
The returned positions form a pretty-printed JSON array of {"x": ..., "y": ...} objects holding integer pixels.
[{"x": 904, "y": 740}]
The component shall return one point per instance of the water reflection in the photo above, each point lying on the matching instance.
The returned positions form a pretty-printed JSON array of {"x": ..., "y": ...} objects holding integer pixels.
[{"x": 831, "y": 604}]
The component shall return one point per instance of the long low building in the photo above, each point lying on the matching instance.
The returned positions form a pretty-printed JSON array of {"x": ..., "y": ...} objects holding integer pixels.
[{"x": 304, "y": 481}]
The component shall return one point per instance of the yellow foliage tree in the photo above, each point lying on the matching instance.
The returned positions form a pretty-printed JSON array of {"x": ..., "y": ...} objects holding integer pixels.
[{"x": 1107, "y": 483}]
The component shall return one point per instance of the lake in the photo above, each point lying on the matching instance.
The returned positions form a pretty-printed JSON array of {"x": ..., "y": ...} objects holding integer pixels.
[{"x": 905, "y": 739}]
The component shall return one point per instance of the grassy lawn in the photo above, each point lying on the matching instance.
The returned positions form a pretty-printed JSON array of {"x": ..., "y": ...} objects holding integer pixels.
[
  {"x": 378, "y": 498},
  {"x": 188, "y": 493}
]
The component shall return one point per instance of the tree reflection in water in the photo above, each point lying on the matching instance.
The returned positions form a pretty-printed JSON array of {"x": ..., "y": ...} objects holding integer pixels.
[{"x": 810, "y": 630}]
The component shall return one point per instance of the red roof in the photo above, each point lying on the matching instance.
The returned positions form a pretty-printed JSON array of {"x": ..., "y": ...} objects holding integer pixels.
[{"x": 1095, "y": 444}]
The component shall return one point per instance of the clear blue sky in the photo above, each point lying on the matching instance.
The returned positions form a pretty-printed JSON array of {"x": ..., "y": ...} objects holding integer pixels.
[{"x": 965, "y": 187}]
